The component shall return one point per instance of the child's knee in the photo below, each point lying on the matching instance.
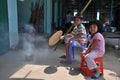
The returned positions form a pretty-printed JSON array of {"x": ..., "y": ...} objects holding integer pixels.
[{"x": 87, "y": 57}]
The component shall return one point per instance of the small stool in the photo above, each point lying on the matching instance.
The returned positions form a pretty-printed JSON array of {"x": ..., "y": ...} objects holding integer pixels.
[{"x": 84, "y": 67}]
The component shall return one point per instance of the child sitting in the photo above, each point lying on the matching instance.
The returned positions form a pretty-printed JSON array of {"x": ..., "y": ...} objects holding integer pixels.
[
  {"x": 78, "y": 32},
  {"x": 95, "y": 49}
]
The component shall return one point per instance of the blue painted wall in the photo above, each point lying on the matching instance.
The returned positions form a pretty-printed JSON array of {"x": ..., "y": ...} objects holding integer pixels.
[
  {"x": 48, "y": 16},
  {"x": 56, "y": 13},
  {"x": 13, "y": 22},
  {"x": 24, "y": 11},
  {"x": 4, "y": 29}
]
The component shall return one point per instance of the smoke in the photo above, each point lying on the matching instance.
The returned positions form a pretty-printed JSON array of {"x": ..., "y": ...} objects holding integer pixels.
[
  {"x": 30, "y": 42},
  {"x": 27, "y": 39}
]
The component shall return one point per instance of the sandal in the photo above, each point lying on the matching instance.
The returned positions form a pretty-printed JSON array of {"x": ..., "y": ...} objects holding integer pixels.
[
  {"x": 63, "y": 56},
  {"x": 95, "y": 76}
]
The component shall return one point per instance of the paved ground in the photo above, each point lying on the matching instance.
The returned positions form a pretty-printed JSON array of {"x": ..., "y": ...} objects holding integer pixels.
[{"x": 37, "y": 61}]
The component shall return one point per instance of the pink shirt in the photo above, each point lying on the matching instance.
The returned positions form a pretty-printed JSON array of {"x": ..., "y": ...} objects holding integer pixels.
[{"x": 101, "y": 44}]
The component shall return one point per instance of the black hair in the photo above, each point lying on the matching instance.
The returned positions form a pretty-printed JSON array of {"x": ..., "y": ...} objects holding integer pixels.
[
  {"x": 68, "y": 12},
  {"x": 77, "y": 16},
  {"x": 98, "y": 25}
]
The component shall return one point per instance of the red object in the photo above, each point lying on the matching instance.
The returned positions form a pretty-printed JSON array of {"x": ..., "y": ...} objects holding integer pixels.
[{"x": 84, "y": 67}]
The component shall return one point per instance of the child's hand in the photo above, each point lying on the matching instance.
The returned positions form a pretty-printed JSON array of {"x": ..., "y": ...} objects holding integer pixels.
[
  {"x": 84, "y": 52},
  {"x": 69, "y": 35},
  {"x": 62, "y": 37}
]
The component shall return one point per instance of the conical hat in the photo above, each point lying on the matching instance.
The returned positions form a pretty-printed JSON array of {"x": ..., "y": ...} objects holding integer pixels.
[{"x": 55, "y": 38}]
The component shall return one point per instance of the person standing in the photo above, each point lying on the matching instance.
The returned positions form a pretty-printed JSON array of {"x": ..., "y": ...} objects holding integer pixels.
[{"x": 68, "y": 20}]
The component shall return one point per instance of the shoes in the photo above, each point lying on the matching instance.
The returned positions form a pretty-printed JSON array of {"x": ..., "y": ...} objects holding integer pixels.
[
  {"x": 95, "y": 76},
  {"x": 63, "y": 56}
]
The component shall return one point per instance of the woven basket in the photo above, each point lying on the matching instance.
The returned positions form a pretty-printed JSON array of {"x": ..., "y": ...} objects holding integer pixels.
[{"x": 55, "y": 38}]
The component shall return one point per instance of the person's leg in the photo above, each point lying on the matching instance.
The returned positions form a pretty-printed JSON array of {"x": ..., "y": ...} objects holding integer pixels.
[
  {"x": 67, "y": 54},
  {"x": 67, "y": 50},
  {"x": 89, "y": 58},
  {"x": 67, "y": 45}
]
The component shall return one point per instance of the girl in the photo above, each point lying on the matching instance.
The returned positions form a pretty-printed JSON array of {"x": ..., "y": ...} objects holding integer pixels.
[
  {"x": 78, "y": 31},
  {"x": 95, "y": 49}
]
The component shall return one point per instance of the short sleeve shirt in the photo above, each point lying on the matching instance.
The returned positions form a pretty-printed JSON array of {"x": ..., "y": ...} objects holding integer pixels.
[
  {"x": 79, "y": 29},
  {"x": 101, "y": 44}
]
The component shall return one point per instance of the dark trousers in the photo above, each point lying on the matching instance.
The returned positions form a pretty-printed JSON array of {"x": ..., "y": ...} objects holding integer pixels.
[{"x": 67, "y": 26}]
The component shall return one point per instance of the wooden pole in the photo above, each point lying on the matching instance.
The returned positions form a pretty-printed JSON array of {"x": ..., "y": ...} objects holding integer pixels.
[
  {"x": 81, "y": 13},
  {"x": 83, "y": 10}
]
